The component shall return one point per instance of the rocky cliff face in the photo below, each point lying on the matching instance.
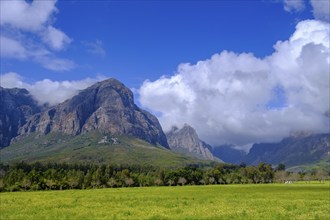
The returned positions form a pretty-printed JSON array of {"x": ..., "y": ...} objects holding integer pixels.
[
  {"x": 16, "y": 107},
  {"x": 186, "y": 140},
  {"x": 107, "y": 106}
]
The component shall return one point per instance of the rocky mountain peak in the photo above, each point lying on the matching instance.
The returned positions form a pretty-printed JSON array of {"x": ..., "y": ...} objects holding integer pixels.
[
  {"x": 106, "y": 106},
  {"x": 17, "y": 105},
  {"x": 186, "y": 140}
]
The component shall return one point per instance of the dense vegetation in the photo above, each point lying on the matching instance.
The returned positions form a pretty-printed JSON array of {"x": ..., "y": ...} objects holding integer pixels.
[
  {"x": 235, "y": 201},
  {"x": 37, "y": 176},
  {"x": 51, "y": 176}
]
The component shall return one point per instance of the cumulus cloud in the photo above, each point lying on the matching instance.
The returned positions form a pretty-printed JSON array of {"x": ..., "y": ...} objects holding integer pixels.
[
  {"x": 294, "y": 5},
  {"x": 25, "y": 25},
  {"x": 321, "y": 9},
  {"x": 48, "y": 91},
  {"x": 27, "y": 16},
  {"x": 230, "y": 97}
]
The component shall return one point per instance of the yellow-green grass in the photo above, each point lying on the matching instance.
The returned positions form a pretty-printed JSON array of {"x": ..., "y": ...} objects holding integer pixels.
[{"x": 272, "y": 201}]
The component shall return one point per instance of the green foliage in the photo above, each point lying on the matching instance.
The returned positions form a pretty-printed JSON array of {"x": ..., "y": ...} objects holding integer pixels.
[
  {"x": 249, "y": 201},
  {"x": 85, "y": 148},
  {"x": 52, "y": 176}
]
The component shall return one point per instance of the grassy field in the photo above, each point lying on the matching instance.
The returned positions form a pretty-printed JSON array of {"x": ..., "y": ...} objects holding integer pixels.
[{"x": 273, "y": 201}]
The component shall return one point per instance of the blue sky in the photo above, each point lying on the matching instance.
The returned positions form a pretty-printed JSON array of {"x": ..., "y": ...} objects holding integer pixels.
[
  {"x": 239, "y": 72},
  {"x": 141, "y": 40}
]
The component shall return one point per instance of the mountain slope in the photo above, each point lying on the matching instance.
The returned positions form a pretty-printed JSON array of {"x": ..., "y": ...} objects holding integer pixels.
[
  {"x": 186, "y": 140},
  {"x": 292, "y": 151},
  {"x": 229, "y": 154},
  {"x": 92, "y": 148},
  {"x": 106, "y": 107},
  {"x": 16, "y": 107}
]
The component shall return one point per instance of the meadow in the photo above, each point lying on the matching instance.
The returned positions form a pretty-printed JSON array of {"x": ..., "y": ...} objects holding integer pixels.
[{"x": 258, "y": 201}]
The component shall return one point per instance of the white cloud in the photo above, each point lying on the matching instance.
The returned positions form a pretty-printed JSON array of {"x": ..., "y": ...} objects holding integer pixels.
[
  {"x": 228, "y": 97},
  {"x": 55, "y": 38},
  {"x": 95, "y": 48},
  {"x": 27, "y": 16},
  {"x": 321, "y": 9},
  {"x": 12, "y": 48},
  {"x": 11, "y": 80},
  {"x": 48, "y": 91},
  {"x": 294, "y": 5},
  {"x": 27, "y": 32},
  {"x": 53, "y": 63}
]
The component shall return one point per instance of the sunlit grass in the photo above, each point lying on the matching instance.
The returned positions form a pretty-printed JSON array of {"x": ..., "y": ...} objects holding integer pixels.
[{"x": 273, "y": 201}]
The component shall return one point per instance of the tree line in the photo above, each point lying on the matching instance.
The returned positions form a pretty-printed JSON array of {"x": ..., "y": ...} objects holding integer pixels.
[{"x": 52, "y": 176}]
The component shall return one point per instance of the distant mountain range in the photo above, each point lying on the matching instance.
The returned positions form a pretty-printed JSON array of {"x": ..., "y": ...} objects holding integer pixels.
[
  {"x": 294, "y": 151},
  {"x": 102, "y": 124}
]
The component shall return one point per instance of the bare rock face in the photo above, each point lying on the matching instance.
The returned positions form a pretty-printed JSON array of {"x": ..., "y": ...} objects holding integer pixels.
[
  {"x": 16, "y": 107},
  {"x": 107, "y": 106},
  {"x": 186, "y": 140}
]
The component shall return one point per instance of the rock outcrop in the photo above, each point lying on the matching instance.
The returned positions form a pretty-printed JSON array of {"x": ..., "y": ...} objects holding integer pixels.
[
  {"x": 16, "y": 107},
  {"x": 186, "y": 140},
  {"x": 107, "y": 107}
]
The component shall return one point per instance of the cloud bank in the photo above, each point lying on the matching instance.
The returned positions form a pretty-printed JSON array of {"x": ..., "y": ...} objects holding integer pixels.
[
  {"x": 27, "y": 32},
  {"x": 320, "y": 8},
  {"x": 242, "y": 99},
  {"x": 47, "y": 91},
  {"x": 294, "y": 5}
]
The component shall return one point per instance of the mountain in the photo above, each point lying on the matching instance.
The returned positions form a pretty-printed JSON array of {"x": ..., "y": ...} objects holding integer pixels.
[
  {"x": 106, "y": 107},
  {"x": 229, "y": 154},
  {"x": 93, "y": 148},
  {"x": 292, "y": 151},
  {"x": 16, "y": 107},
  {"x": 186, "y": 141}
]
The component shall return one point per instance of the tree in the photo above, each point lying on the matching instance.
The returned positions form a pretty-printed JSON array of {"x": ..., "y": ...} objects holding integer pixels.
[
  {"x": 158, "y": 182},
  {"x": 129, "y": 181},
  {"x": 182, "y": 181},
  {"x": 321, "y": 175},
  {"x": 170, "y": 182},
  {"x": 112, "y": 182},
  {"x": 87, "y": 180},
  {"x": 280, "y": 167},
  {"x": 74, "y": 178},
  {"x": 50, "y": 183},
  {"x": 26, "y": 183},
  {"x": 307, "y": 177},
  {"x": 294, "y": 177},
  {"x": 211, "y": 180},
  {"x": 281, "y": 176}
]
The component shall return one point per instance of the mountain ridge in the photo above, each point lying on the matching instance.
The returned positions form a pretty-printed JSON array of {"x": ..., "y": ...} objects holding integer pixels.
[
  {"x": 186, "y": 141},
  {"x": 17, "y": 105},
  {"x": 106, "y": 106}
]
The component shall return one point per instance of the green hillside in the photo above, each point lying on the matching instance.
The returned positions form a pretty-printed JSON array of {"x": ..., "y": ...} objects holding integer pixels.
[{"x": 85, "y": 148}]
